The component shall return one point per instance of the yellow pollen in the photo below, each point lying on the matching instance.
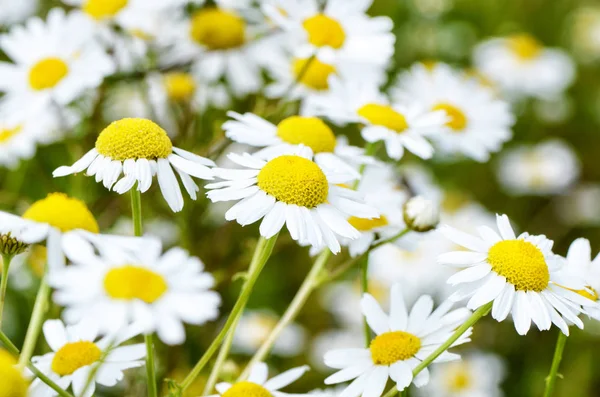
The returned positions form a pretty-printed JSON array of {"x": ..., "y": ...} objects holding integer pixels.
[
  {"x": 391, "y": 347},
  {"x": 522, "y": 263},
  {"x": 458, "y": 378},
  {"x": 8, "y": 133},
  {"x": 383, "y": 115},
  {"x": 101, "y": 9},
  {"x": 134, "y": 138},
  {"x": 47, "y": 73},
  {"x": 458, "y": 120},
  {"x": 134, "y": 282},
  {"x": 294, "y": 180},
  {"x": 247, "y": 389},
  {"x": 312, "y": 73},
  {"x": 63, "y": 212},
  {"x": 308, "y": 131},
  {"x": 525, "y": 46},
  {"x": 324, "y": 31},
  {"x": 365, "y": 225},
  {"x": 180, "y": 86},
  {"x": 12, "y": 383},
  {"x": 73, "y": 356},
  {"x": 218, "y": 29}
]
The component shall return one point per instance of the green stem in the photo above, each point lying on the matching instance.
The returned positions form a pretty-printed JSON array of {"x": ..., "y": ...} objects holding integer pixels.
[
  {"x": 261, "y": 255},
  {"x": 364, "y": 286},
  {"x": 6, "y": 258},
  {"x": 13, "y": 350},
  {"x": 558, "y": 353},
  {"x": 476, "y": 316},
  {"x": 35, "y": 324},
  {"x": 136, "y": 210},
  {"x": 221, "y": 358}
]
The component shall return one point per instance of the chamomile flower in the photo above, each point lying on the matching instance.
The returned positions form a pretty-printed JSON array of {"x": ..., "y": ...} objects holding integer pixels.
[
  {"x": 156, "y": 291},
  {"x": 13, "y": 383},
  {"x": 520, "y": 275},
  {"x": 52, "y": 66},
  {"x": 477, "y": 124},
  {"x": 581, "y": 265},
  {"x": 76, "y": 350},
  {"x": 259, "y": 385},
  {"x": 522, "y": 67},
  {"x": 291, "y": 189},
  {"x": 114, "y": 10},
  {"x": 329, "y": 152},
  {"x": 16, "y": 143},
  {"x": 585, "y": 33},
  {"x": 403, "y": 340},
  {"x": 140, "y": 149}
]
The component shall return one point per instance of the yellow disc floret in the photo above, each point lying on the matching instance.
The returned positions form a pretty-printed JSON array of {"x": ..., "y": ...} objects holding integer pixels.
[
  {"x": 180, "y": 86},
  {"x": 47, "y": 73},
  {"x": 324, "y": 31},
  {"x": 365, "y": 225},
  {"x": 308, "y": 131},
  {"x": 218, "y": 29},
  {"x": 391, "y": 347},
  {"x": 458, "y": 377},
  {"x": 457, "y": 118},
  {"x": 134, "y": 282},
  {"x": 62, "y": 212},
  {"x": 247, "y": 389},
  {"x": 134, "y": 138},
  {"x": 7, "y": 133},
  {"x": 75, "y": 355},
  {"x": 383, "y": 115},
  {"x": 12, "y": 382},
  {"x": 525, "y": 46},
  {"x": 294, "y": 180},
  {"x": 101, "y": 9},
  {"x": 312, "y": 73},
  {"x": 522, "y": 263}
]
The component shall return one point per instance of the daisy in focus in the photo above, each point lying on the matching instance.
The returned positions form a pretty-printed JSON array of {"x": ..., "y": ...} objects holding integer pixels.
[
  {"x": 522, "y": 67},
  {"x": 519, "y": 274},
  {"x": 403, "y": 340},
  {"x": 155, "y": 291},
  {"x": 582, "y": 266},
  {"x": 291, "y": 189},
  {"x": 259, "y": 385},
  {"x": 477, "y": 122},
  {"x": 13, "y": 382},
  {"x": 140, "y": 149},
  {"x": 76, "y": 350}
]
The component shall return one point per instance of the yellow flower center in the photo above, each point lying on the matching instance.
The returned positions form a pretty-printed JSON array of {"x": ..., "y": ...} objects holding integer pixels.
[
  {"x": 47, "y": 73},
  {"x": 218, "y": 29},
  {"x": 294, "y": 180},
  {"x": 308, "y": 131},
  {"x": 247, "y": 389},
  {"x": 364, "y": 225},
  {"x": 134, "y": 282},
  {"x": 63, "y": 212},
  {"x": 134, "y": 138},
  {"x": 180, "y": 86},
  {"x": 383, "y": 115},
  {"x": 524, "y": 46},
  {"x": 458, "y": 378},
  {"x": 324, "y": 31},
  {"x": 391, "y": 347},
  {"x": 458, "y": 119},
  {"x": 12, "y": 383},
  {"x": 522, "y": 263},
  {"x": 73, "y": 356},
  {"x": 312, "y": 73},
  {"x": 8, "y": 133},
  {"x": 101, "y": 9}
]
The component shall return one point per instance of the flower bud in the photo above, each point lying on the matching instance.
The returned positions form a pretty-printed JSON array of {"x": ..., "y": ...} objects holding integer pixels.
[{"x": 421, "y": 214}]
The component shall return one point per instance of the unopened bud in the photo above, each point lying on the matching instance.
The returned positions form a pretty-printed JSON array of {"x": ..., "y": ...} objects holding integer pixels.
[{"x": 421, "y": 214}]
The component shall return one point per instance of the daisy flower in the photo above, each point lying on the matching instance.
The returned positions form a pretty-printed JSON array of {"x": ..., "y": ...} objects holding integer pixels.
[
  {"x": 581, "y": 265},
  {"x": 403, "y": 340},
  {"x": 291, "y": 189},
  {"x": 140, "y": 149},
  {"x": 522, "y": 67},
  {"x": 258, "y": 385},
  {"x": 76, "y": 350},
  {"x": 478, "y": 123},
  {"x": 520, "y": 275},
  {"x": 329, "y": 152},
  {"x": 156, "y": 291},
  {"x": 13, "y": 383},
  {"x": 115, "y": 10},
  {"x": 52, "y": 65},
  {"x": 17, "y": 142}
]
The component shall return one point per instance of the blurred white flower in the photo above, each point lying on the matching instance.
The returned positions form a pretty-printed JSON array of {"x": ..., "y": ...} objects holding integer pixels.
[
  {"x": 16, "y": 11},
  {"x": 585, "y": 33},
  {"x": 581, "y": 265},
  {"x": 580, "y": 206},
  {"x": 421, "y": 214}
]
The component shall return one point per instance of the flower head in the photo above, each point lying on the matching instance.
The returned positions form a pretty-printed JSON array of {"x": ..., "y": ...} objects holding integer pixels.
[{"x": 13, "y": 382}]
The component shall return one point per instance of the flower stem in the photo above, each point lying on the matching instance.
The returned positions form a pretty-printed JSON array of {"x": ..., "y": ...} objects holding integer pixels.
[
  {"x": 35, "y": 324},
  {"x": 221, "y": 357},
  {"x": 364, "y": 286},
  {"x": 311, "y": 282},
  {"x": 558, "y": 353},
  {"x": 136, "y": 211},
  {"x": 4, "y": 282},
  {"x": 261, "y": 255}
]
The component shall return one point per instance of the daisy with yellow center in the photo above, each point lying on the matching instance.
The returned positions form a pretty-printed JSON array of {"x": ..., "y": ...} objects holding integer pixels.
[
  {"x": 77, "y": 349},
  {"x": 520, "y": 275},
  {"x": 402, "y": 341},
  {"x": 13, "y": 382},
  {"x": 16, "y": 144},
  {"x": 140, "y": 149},
  {"x": 291, "y": 189},
  {"x": 258, "y": 384},
  {"x": 133, "y": 282}
]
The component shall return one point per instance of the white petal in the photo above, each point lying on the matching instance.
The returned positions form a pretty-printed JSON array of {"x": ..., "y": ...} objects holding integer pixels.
[
  {"x": 376, "y": 318},
  {"x": 506, "y": 231},
  {"x": 258, "y": 373},
  {"x": 398, "y": 313},
  {"x": 286, "y": 378}
]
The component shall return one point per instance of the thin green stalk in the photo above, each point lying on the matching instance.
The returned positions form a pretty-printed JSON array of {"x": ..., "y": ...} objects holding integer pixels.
[
  {"x": 558, "y": 353},
  {"x": 476, "y": 316},
  {"x": 35, "y": 324},
  {"x": 4, "y": 282},
  {"x": 221, "y": 358},
  {"x": 364, "y": 286},
  {"x": 263, "y": 251},
  {"x": 136, "y": 211},
  {"x": 311, "y": 282}
]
